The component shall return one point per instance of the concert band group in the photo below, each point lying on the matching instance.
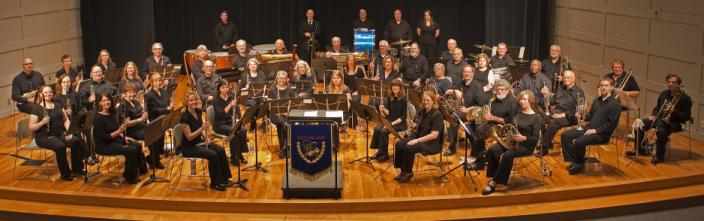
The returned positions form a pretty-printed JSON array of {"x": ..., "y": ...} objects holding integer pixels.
[{"x": 516, "y": 116}]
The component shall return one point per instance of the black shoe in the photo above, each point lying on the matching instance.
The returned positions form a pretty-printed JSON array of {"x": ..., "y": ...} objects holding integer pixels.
[
  {"x": 282, "y": 153},
  {"x": 631, "y": 153},
  {"x": 218, "y": 187},
  {"x": 398, "y": 176},
  {"x": 243, "y": 160},
  {"x": 382, "y": 158},
  {"x": 451, "y": 151},
  {"x": 133, "y": 181},
  {"x": 575, "y": 169},
  {"x": 656, "y": 160},
  {"x": 488, "y": 190},
  {"x": 234, "y": 162},
  {"x": 476, "y": 165},
  {"x": 78, "y": 174},
  {"x": 405, "y": 178},
  {"x": 67, "y": 178}
]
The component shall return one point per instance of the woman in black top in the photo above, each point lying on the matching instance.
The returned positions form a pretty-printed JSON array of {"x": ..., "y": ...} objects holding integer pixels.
[
  {"x": 130, "y": 76},
  {"x": 194, "y": 145},
  {"x": 388, "y": 74},
  {"x": 109, "y": 139},
  {"x": 428, "y": 32},
  {"x": 484, "y": 75},
  {"x": 158, "y": 101},
  {"x": 397, "y": 104},
  {"x": 201, "y": 56},
  {"x": 427, "y": 137},
  {"x": 104, "y": 62},
  {"x": 49, "y": 123},
  {"x": 352, "y": 72},
  {"x": 281, "y": 91},
  {"x": 136, "y": 116},
  {"x": 67, "y": 96},
  {"x": 529, "y": 123},
  {"x": 226, "y": 109},
  {"x": 251, "y": 75},
  {"x": 303, "y": 72}
]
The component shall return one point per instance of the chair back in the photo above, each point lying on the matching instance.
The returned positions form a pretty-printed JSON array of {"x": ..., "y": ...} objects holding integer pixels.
[
  {"x": 177, "y": 134},
  {"x": 23, "y": 129},
  {"x": 411, "y": 111},
  {"x": 210, "y": 114}
]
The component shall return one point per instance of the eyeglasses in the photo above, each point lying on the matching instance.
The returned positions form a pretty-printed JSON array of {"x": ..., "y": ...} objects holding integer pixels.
[{"x": 28, "y": 63}]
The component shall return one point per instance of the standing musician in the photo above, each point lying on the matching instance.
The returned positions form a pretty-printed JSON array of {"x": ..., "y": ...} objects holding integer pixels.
[
  {"x": 109, "y": 139},
  {"x": 130, "y": 76},
  {"x": 207, "y": 85},
  {"x": 197, "y": 144},
  {"x": 352, "y": 71},
  {"x": 415, "y": 67},
  {"x": 67, "y": 96},
  {"x": 25, "y": 82},
  {"x": 303, "y": 72},
  {"x": 426, "y": 137},
  {"x": 679, "y": 113},
  {"x": 242, "y": 57},
  {"x": 602, "y": 117},
  {"x": 376, "y": 63},
  {"x": 485, "y": 76},
  {"x": 454, "y": 67},
  {"x": 279, "y": 47},
  {"x": 201, "y": 56},
  {"x": 448, "y": 55},
  {"x": 309, "y": 31},
  {"x": 398, "y": 29},
  {"x": 471, "y": 94},
  {"x": 439, "y": 82},
  {"x": 225, "y": 32},
  {"x": 499, "y": 158},
  {"x": 136, "y": 116},
  {"x": 502, "y": 108},
  {"x": 618, "y": 76},
  {"x": 553, "y": 64},
  {"x": 363, "y": 22},
  {"x": 159, "y": 102},
  {"x": 336, "y": 46},
  {"x": 536, "y": 82},
  {"x": 104, "y": 62},
  {"x": 49, "y": 123},
  {"x": 226, "y": 110},
  {"x": 502, "y": 60},
  {"x": 67, "y": 69},
  {"x": 565, "y": 102},
  {"x": 394, "y": 109},
  {"x": 97, "y": 85},
  {"x": 428, "y": 32},
  {"x": 156, "y": 60},
  {"x": 281, "y": 90}
]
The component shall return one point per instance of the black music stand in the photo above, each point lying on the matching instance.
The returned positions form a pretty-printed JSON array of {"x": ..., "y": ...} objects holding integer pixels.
[
  {"x": 330, "y": 102},
  {"x": 367, "y": 113},
  {"x": 465, "y": 164},
  {"x": 251, "y": 115},
  {"x": 153, "y": 131},
  {"x": 236, "y": 130},
  {"x": 90, "y": 159},
  {"x": 114, "y": 75},
  {"x": 320, "y": 65},
  {"x": 271, "y": 68},
  {"x": 304, "y": 86},
  {"x": 243, "y": 96}
]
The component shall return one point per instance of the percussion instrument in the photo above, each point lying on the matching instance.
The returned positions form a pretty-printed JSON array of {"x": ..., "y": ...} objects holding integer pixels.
[{"x": 222, "y": 59}]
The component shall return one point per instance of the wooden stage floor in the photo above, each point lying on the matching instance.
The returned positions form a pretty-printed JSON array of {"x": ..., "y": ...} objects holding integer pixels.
[{"x": 363, "y": 197}]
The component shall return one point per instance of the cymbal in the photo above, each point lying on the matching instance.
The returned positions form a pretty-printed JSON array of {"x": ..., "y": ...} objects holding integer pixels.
[
  {"x": 483, "y": 47},
  {"x": 473, "y": 55},
  {"x": 401, "y": 42}
]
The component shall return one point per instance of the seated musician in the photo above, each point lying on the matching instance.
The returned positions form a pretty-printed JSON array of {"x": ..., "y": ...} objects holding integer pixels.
[
  {"x": 602, "y": 121},
  {"x": 485, "y": 76},
  {"x": 415, "y": 67},
  {"x": 449, "y": 54},
  {"x": 439, "y": 82},
  {"x": 49, "y": 124},
  {"x": 109, "y": 139},
  {"x": 196, "y": 144},
  {"x": 201, "y": 56},
  {"x": 471, "y": 94},
  {"x": 104, "y": 62},
  {"x": 536, "y": 82},
  {"x": 279, "y": 47},
  {"x": 252, "y": 75},
  {"x": 67, "y": 69},
  {"x": 156, "y": 60},
  {"x": 395, "y": 110},
  {"x": 337, "y": 86},
  {"x": 136, "y": 115},
  {"x": 679, "y": 114},
  {"x": 502, "y": 108},
  {"x": 376, "y": 64},
  {"x": 529, "y": 123},
  {"x": 336, "y": 47},
  {"x": 130, "y": 76},
  {"x": 454, "y": 66},
  {"x": 552, "y": 64},
  {"x": 618, "y": 76},
  {"x": 502, "y": 59},
  {"x": 226, "y": 110},
  {"x": 207, "y": 85},
  {"x": 565, "y": 105},
  {"x": 426, "y": 136},
  {"x": 303, "y": 72},
  {"x": 281, "y": 90},
  {"x": 67, "y": 96},
  {"x": 26, "y": 81},
  {"x": 159, "y": 102},
  {"x": 97, "y": 85},
  {"x": 242, "y": 56},
  {"x": 388, "y": 73}
]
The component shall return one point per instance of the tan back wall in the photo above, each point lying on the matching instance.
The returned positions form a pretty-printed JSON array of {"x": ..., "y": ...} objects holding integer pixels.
[
  {"x": 654, "y": 37},
  {"x": 39, "y": 29}
]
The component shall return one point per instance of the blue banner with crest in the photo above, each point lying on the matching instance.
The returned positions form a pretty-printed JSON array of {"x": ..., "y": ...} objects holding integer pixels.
[{"x": 311, "y": 149}]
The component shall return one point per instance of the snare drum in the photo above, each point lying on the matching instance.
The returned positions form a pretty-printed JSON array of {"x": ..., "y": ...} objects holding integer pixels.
[{"x": 222, "y": 59}]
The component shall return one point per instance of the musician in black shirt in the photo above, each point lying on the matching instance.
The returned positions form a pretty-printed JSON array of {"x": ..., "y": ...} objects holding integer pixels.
[
  {"x": 398, "y": 29},
  {"x": 502, "y": 108},
  {"x": 415, "y": 67},
  {"x": 131, "y": 76},
  {"x": 618, "y": 76},
  {"x": 279, "y": 47},
  {"x": 484, "y": 74},
  {"x": 447, "y": 55},
  {"x": 67, "y": 96},
  {"x": 564, "y": 103},
  {"x": 336, "y": 46},
  {"x": 426, "y": 137},
  {"x": 136, "y": 116},
  {"x": 97, "y": 85},
  {"x": 502, "y": 60},
  {"x": 67, "y": 69},
  {"x": 499, "y": 158},
  {"x": 156, "y": 60},
  {"x": 225, "y": 32},
  {"x": 242, "y": 57},
  {"x": 309, "y": 32},
  {"x": 428, "y": 32},
  {"x": 363, "y": 22},
  {"x": 394, "y": 109},
  {"x": 158, "y": 102},
  {"x": 303, "y": 72},
  {"x": 679, "y": 114},
  {"x": 439, "y": 82},
  {"x": 281, "y": 91},
  {"x": 388, "y": 73},
  {"x": 108, "y": 136},
  {"x": 376, "y": 63},
  {"x": 536, "y": 82},
  {"x": 602, "y": 121},
  {"x": 471, "y": 94},
  {"x": 26, "y": 81},
  {"x": 551, "y": 65},
  {"x": 454, "y": 66},
  {"x": 196, "y": 144},
  {"x": 207, "y": 85},
  {"x": 227, "y": 112},
  {"x": 104, "y": 62},
  {"x": 49, "y": 123}
]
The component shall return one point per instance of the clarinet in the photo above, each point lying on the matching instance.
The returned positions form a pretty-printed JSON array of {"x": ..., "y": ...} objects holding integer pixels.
[
  {"x": 46, "y": 114},
  {"x": 204, "y": 133},
  {"x": 92, "y": 93}
]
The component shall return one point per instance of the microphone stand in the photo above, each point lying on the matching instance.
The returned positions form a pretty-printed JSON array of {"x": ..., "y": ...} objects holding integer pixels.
[{"x": 465, "y": 164}]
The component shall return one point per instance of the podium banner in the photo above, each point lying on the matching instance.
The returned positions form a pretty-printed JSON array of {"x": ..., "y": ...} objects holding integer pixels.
[{"x": 311, "y": 149}]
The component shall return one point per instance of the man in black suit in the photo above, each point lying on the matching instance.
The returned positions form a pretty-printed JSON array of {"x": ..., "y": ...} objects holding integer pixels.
[{"x": 309, "y": 32}]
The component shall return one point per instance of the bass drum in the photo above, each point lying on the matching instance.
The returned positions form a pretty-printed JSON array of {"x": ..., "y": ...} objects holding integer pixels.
[
  {"x": 189, "y": 56},
  {"x": 222, "y": 59}
]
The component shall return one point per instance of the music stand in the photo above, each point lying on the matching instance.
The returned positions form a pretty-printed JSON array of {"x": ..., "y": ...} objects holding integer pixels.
[
  {"x": 243, "y": 96},
  {"x": 113, "y": 75},
  {"x": 90, "y": 159},
  {"x": 304, "y": 86},
  {"x": 236, "y": 130},
  {"x": 465, "y": 164},
  {"x": 251, "y": 115},
  {"x": 153, "y": 131},
  {"x": 271, "y": 68},
  {"x": 367, "y": 113},
  {"x": 330, "y": 102}
]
